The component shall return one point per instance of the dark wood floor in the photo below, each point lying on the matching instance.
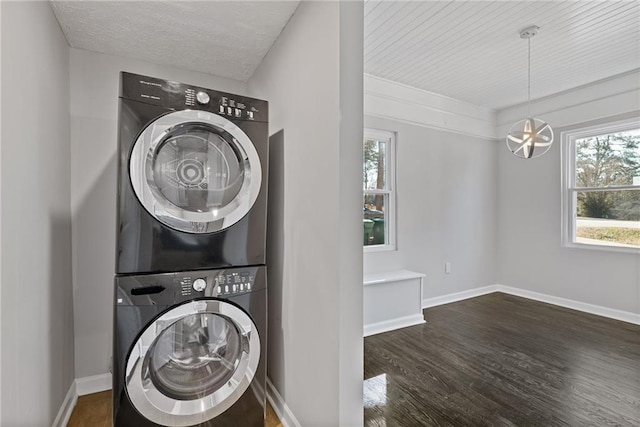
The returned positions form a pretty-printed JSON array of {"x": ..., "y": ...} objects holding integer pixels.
[{"x": 501, "y": 360}]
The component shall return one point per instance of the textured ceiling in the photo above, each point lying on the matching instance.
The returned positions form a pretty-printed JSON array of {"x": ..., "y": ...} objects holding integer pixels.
[
  {"x": 228, "y": 39},
  {"x": 472, "y": 51}
]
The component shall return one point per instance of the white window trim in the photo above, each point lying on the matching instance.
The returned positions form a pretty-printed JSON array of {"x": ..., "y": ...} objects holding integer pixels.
[
  {"x": 390, "y": 179},
  {"x": 568, "y": 163}
]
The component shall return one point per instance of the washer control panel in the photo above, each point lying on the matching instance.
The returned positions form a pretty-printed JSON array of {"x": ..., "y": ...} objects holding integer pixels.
[
  {"x": 235, "y": 282},
  {"x": 225, "y": 283},
  {"x": 171, "y": 288}
]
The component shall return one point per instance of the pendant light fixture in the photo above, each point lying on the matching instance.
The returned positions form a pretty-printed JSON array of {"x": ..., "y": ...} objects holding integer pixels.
[{"x": 530, "y": 137}]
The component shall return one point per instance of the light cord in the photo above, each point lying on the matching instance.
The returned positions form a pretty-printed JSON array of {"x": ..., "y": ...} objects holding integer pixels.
[{"x": 529, "y": 79}]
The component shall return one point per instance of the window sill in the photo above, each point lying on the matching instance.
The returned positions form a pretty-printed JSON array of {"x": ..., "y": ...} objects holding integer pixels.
[
  {"x": 378, "y": 248},
  {"x": 603, "y": 247}
]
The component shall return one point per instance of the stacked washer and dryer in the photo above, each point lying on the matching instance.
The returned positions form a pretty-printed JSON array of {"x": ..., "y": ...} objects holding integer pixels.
[{"x": 190, "y": 289}]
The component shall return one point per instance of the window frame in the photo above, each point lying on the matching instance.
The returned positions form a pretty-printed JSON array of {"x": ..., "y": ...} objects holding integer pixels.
[
  {"x": 390, "y": 138},
  {"x": 569, "y": 206}
]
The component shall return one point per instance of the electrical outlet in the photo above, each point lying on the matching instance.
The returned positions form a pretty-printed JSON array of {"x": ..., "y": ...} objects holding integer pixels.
[{"x": 447, "y": 267}]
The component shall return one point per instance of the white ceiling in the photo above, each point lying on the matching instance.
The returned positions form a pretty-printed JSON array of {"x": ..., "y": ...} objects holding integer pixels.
[
  {"x": 225, "y": 38},
  {"x": 468, "y": 50},
  {"x": 472, "y": 51}
]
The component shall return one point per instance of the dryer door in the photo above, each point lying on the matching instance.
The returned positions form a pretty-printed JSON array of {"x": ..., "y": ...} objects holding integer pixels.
[
  {"x": 195, "y": 171},
  {"x": 192, "y": 363}
]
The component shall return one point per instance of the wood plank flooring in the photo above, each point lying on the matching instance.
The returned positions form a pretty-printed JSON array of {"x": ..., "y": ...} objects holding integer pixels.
[
  {"x": 94, "y": 410},
  {"x": 500, "y": 360}
]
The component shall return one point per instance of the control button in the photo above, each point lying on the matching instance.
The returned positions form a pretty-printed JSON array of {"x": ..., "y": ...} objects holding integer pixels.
[
  {"x": 202, "y": 98},
  {"x": 242, "y": 286},
  {"x": 250, "y": 115},
  {"x": 222, "y": 109},
  {"x": 219, "y": 289},
  {"x": 248, "y": 286},
  {"x": 238, "y": 112},
  {"x": 226, "y": 289},
  {"x": 199, "y": 284},
  {"x": 235, "y": 288},
  {"x": 230, "y": 111}
]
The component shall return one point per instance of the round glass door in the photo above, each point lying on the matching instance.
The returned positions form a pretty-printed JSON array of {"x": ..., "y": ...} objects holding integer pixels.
[
  {"x": 195, "y": 171},
  {"x": 192, "y": 363}
]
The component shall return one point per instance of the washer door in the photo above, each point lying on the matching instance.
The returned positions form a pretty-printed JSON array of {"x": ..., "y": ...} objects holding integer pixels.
[
  {"x": 192, "y": 363},
  {"x": 195, "y": 171}
]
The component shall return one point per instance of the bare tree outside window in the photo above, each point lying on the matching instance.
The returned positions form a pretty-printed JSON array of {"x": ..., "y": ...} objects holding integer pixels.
[
  {"x": 605, "y": 195},
  {"x": 608, "y": 160},
  {"x": 378, "y": 197}
]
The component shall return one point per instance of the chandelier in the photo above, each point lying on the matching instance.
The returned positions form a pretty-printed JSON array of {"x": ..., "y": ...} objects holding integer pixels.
[{"x": 530, "y": 137}]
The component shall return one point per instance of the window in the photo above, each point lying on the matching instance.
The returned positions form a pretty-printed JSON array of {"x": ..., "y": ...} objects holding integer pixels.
[
  {"x": 601, "y": 173},
  {"x": 379, "y": 190}
]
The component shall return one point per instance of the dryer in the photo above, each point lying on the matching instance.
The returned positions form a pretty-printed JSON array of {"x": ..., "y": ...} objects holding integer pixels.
[
  {"x": 192, "y": 177},
  {"x": 189, "y": 349}
]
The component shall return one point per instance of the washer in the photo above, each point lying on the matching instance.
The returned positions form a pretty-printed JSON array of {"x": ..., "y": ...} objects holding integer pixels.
[
  {"x": 189, "y": 349},
  {"x": 192, "y": 177}
]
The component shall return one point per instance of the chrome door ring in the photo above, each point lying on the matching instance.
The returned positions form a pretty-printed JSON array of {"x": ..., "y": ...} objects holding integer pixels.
[
  {"x": 141, "y": 174},
  {"x": 167, "y": 411}
]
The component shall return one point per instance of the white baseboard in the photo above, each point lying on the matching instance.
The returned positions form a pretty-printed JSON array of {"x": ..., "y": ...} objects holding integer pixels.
[
  {"x": 280, "y": 407},
  {"x": 69, "y": 402},
  {"x": 390, "y": 325},
  {"x": 611, "y": 313},
  {"x": 598, "y": 310},
  {"x": 458, "y": 296},
  {"x": 93, "y": 384}
]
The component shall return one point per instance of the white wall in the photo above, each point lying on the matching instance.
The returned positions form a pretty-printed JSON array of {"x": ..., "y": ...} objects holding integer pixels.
[
  {"x": 447, "y": 207},
  {"x": 312, "y": 78},
  {"x": 351, "y": 297},
  {"x": 530, "y": 253},
  {"x": 94, "y": 109},
  {"x": 0, "y": 218},
  {"x": 37, "y": 312}
]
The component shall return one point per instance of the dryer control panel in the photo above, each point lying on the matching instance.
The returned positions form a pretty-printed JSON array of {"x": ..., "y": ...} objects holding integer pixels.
[{"x": 181, "y": 96}]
